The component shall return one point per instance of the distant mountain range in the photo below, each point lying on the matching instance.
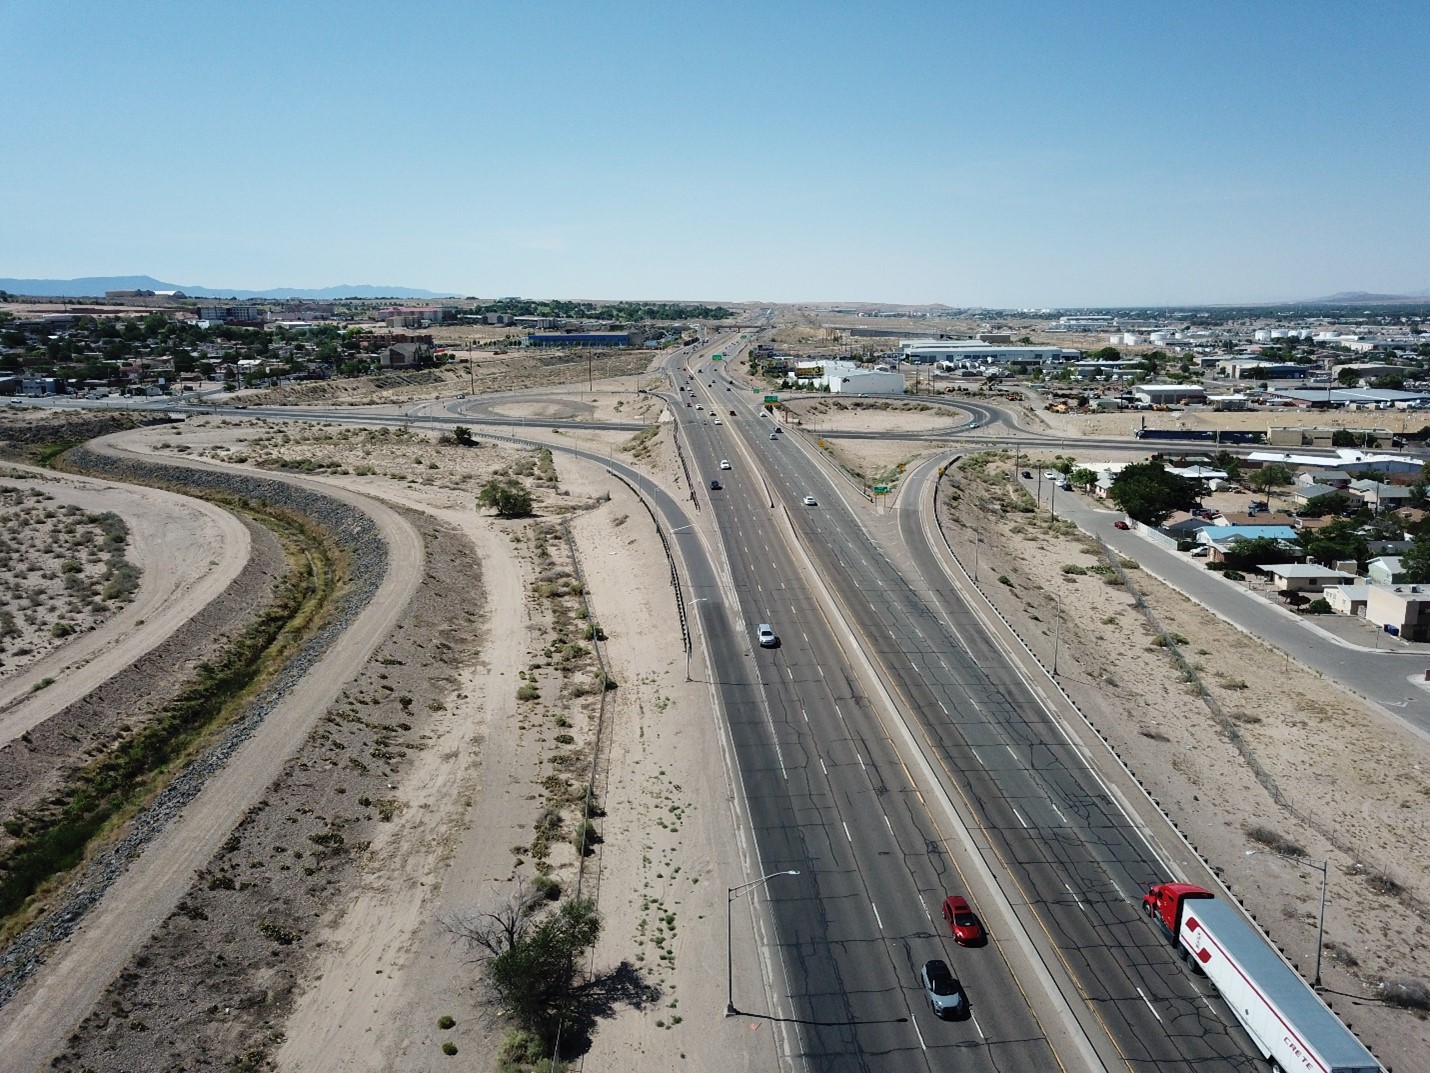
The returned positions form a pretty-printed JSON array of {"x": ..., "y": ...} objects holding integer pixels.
[
  {"x": 95, "y": 287},
  {"x": 1341, "y": 298}
]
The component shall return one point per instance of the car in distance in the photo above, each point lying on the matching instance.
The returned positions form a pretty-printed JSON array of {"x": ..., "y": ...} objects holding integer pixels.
[
  {"x": 714, "y": 486},
  {"x": 766, "y": 634},
  {"x": 809, "y": 501},
  {"x": 1050, "y": 475},
  {"x": 1120, "y": 525},
  {"x": 724, "y": 463},
  {"x": 773, "y": 436},
  {"x": 1027, "y": 475},
  {"x": 942, "y": 989},
  {"x": 966, "y": 927}
]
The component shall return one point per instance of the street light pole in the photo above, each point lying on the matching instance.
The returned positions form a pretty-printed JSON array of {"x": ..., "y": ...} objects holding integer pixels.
[
  {"x": 1324, "y": 868},
  {"x": 731, "y": 893}
]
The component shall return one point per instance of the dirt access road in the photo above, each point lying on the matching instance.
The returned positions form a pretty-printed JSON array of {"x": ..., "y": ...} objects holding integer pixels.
[
  {"x": 36, "y": 1023},
  {"x": 189, "y": 551}
]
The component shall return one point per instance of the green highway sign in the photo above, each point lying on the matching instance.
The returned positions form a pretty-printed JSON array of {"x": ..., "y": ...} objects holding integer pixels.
[
  {"x": 772, "y": 398},
  {"x": 881, "y": 489},
  {"x": 717, "y": 357}
]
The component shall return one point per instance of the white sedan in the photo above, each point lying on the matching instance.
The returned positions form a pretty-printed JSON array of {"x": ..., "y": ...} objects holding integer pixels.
[{"x": 809, "y": 501}]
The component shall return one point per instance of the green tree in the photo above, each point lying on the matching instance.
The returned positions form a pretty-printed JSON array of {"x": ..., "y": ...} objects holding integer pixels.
[
  {"x": 1344, "y": 437},
  {"x": 462, "y": 436},
  {"x": 507, "y": 496},
  {"x": 1256, "y": 552},
  {"x": 1269, "y": 477},
  {"x": 534, "y": 977},
  {"x": 1083, "y": 478},
  {"x": 531, "y": 961},
  {"x": 1320, "y": 506},
  {"x": 1348, "y": 377},
  {"x": 1229, "y": 464},
  {"x": 1149, "y": 493},
  {"x": 1342, "y": 539},
  {"x": 1415, "y": 560}
]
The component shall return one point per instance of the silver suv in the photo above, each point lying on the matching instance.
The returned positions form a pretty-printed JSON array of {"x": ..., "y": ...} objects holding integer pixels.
[{"x": 766, "y": 635}]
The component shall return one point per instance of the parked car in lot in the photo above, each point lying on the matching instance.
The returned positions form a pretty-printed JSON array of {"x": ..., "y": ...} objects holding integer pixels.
[
  {"x": 1201, "y": 551},
  {"x": 765, "y": 632},
  {"x": 942, "y": 989},
  {"x": 967, "y": 929}
]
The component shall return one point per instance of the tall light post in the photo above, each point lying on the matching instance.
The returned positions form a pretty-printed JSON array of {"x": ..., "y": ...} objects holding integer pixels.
[
  {"x": 1324, "y": 868},
  {"x": 731, "y": 893}
]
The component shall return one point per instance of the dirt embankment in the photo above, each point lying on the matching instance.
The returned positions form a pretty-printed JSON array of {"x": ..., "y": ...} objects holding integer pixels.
[
  {"x": 33, "y": 768},
  {"x": 1280, "y": 759},
  {"x": 211, "y": 987}
]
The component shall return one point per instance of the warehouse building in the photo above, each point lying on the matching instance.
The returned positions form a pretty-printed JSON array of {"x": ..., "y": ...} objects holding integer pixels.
[
  {"x": 977, "y": 352},
  {"x": 616, "y": 339}
]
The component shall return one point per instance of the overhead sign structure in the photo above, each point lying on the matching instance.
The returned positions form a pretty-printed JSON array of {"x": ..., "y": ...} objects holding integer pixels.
[
  {"x": 717, "y": 357},
  {"x": 771, "y": 399}
]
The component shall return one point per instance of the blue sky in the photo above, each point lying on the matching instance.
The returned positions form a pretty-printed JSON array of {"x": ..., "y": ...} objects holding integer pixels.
[{"x": 1011, "y": 154}]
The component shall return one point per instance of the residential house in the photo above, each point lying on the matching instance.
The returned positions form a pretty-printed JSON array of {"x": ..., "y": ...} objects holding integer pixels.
[
  {"x": 1305, "y": 577},
  {"x": 404, "y": 355},
  {"x": 1302, "y": 494},
  {"x": 1336, "y": 478},
  {"x": 1347, "y": 599},
  {"x": 1385, "y": 570},
  {"x": 1222, "y": 539},
  {"x": 1381, "y": 495}
]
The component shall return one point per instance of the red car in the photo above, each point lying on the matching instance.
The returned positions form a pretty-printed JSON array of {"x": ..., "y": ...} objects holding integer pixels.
[
  {"x": 967, "y": 929},
  {"x": 1121, "y": 525}
]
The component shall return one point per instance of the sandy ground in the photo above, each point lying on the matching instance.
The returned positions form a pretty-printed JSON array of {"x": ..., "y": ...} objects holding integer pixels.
[
  {"x": 382, "y": 957},
  {"x": 187, "y": 551}
]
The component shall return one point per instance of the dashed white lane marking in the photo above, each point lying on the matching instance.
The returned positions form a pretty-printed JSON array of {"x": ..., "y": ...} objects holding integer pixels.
[
  {"x": 1020, "y": 818},
  {"x": 1075, "y": 898},
  {"x": 846, "y": 832},
  {"x": 1150, "y": 1006},
  {"x": 880, "y": 921}
]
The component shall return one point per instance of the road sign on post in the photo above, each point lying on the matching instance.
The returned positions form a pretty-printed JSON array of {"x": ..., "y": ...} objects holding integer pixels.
[
  {"x": 881, "y": 489},
  {"x": 717, "y": 357},
  {"x": 770, "y": 400}
]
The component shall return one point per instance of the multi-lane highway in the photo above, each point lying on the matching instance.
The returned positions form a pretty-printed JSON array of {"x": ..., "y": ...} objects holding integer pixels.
[{"x": 877, "y": 861}]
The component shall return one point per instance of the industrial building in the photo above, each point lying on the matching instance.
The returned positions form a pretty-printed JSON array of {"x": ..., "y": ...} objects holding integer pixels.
[
  {"x": 616, "y": 339},
  {"x": 1163, "y": 394},
  {"x": 851, "y": 378},
  {"x": 977, "y": 352}
]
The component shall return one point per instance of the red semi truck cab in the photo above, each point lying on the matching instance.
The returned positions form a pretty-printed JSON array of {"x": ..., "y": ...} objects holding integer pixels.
[{"x": 1164, "y": 901}]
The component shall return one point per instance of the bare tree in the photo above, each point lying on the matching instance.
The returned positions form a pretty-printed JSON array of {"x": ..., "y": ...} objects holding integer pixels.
[{"x": 502, "y": 929}]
